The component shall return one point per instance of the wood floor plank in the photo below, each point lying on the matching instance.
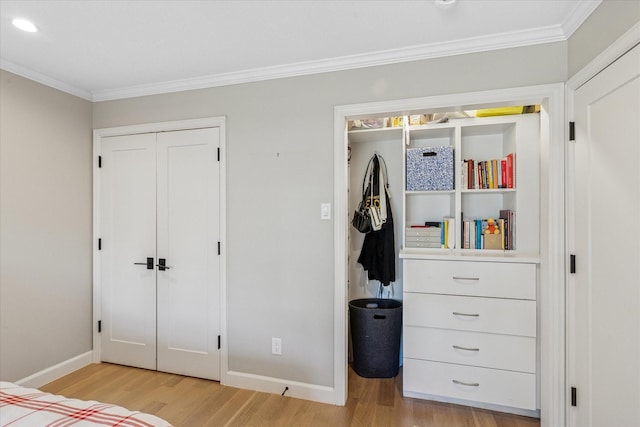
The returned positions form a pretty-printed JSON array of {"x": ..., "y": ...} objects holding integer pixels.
[{"x": 192, "y": 402}]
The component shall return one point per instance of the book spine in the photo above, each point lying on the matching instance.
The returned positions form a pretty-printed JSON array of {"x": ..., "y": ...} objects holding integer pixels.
[
  {"x": 465, "y": 175},
  {"x": 452, "y": 233},
  {"x": 510, "y": 171}
]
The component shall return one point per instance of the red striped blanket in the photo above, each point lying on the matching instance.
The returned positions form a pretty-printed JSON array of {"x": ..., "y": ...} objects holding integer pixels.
[{"x": 28, "y": 407}]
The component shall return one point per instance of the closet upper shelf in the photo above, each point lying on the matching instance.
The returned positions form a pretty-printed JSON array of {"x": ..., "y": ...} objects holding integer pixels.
[{"x": 374, "y": 135}]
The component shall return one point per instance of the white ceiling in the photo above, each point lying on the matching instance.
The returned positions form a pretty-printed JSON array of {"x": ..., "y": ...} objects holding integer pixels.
[{"x": 114, "y": 49}]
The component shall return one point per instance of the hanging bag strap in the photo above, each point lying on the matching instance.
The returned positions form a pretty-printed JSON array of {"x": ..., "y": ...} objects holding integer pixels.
[
  {"x": 367, "y": 174},
  {"x": 383, "y": 167}
]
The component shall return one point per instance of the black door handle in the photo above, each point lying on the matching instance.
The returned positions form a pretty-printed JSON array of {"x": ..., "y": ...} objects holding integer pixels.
[
  {"x": 162, "y": 264},
  {"x": 149, "y": 263}
]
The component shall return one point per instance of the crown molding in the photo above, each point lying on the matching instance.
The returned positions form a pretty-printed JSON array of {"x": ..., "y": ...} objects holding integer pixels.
[
  {"x": 581, "y": 12},
  {"x": 45, "y": 80},
  {"x": 492, "y": 42},
  {"x": 387, "y": 57}
]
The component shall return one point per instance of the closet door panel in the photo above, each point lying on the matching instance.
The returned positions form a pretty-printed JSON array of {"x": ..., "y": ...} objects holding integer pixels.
[
  {"x": 188, "y": 235},
  {"x": 128, "y": 235}
]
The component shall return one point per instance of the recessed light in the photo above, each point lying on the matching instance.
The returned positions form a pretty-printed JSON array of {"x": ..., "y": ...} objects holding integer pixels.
[
  {"x": 444, "y": 4},
  {"x": 24, "y": 25}
]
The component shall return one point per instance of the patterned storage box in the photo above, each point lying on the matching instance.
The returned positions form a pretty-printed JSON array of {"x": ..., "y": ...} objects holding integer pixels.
[{"x": 430, "y": 168}]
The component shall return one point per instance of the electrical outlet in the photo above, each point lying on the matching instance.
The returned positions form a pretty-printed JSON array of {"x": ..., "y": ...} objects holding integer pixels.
[{"x": 276, "y": 346}]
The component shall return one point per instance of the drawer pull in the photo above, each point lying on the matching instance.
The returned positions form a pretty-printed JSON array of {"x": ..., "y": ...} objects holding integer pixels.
[
  {"x": 467, "y": 384},
  {"x": 455, "y": 313},
  {"x": 457, "y": 347},
  {"x": 465, "y": 278}
]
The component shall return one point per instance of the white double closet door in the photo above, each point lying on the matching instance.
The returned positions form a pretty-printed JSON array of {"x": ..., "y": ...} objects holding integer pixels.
[{"x": 160, "y": 200}]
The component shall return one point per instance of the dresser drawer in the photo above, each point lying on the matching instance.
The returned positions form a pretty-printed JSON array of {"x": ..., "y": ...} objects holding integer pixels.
[
  {"x": 493, "y": 279},
  {"x": 513, "y": 353},
  {"x": 507, "y": 388},
  {"x": 494, "y": 315}
]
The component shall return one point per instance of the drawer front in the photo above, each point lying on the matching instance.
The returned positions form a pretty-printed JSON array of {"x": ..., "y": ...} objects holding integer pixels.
[
  {"x": 493, "y": 315},
  {"x": 513, "y": 353},
  {"x": 507, "y": 388},
  {"x": 492, "y": 279}
]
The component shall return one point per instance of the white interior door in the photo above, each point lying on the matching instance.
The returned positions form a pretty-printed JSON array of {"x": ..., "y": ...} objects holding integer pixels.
[
  {"x": 188, "y": 235},
  {"x": 160, "y": 200},
  {"x": 604, "y": 294},
  {"x": 128, "y": 225}
]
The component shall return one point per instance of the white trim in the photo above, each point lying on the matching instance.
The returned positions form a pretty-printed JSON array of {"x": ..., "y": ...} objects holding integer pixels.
[
  {"x": 340, "y": 230},
  {"x": 581, "y": 12},
  {"x": 552, "y": 280},
  {"x": 277, "y": 386},
  {"x": 519, "y": 38},
  {"x": 45, "y": 80},
  {"x": 552, "y": 254},
  {"x": 411, "y": 53},
  {"x": 98, "y": 134},
  {"x": 54, "y": 372},
  {"x": 618, "y": 48},
  {"x": 489, "y": 406}
]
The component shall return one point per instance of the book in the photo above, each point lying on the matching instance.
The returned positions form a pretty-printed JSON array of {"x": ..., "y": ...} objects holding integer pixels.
[
  {"x": 510, "y": 170},
  {"x": 507, "y": 216}
]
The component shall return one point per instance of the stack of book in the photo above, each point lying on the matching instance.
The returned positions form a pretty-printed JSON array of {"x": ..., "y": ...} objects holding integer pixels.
[
  {"x": 433, "y": 234},
  {"x": 489, "y": 174}
]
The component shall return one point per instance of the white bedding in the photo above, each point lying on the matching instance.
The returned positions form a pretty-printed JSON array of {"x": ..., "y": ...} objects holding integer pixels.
[{"x": 28, "y": 407}]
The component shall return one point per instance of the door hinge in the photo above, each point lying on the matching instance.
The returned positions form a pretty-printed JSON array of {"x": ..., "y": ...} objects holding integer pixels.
[
  {"x": 99, "y": 326},
  {"x": 219, "y": 342},
  {"x": 574, "y": 397},
  {"x": 99, "y": 161},
  {"x": 572, "y": 131},
  {"x": 99, "y": 244},
  {"x": 572, "y": 264},
  {"x": 219, "y": 250},
  {"x": 218, "y": 153}
]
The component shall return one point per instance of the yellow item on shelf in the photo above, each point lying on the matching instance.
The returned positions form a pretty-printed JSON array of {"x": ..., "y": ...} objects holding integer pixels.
[{"x": 506, "y": 111}]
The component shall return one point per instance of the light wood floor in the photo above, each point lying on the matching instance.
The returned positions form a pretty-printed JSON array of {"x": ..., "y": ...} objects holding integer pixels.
[{"x": 185, "y": 401}]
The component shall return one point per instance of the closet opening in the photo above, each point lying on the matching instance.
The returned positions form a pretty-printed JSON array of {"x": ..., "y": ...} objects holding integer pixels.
[{"x": 475, "y": 127}]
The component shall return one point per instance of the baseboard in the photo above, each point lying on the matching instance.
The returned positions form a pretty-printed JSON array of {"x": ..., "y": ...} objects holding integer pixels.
[
  {"x": 54, "y": 372},
  {"x": 296, "y": 389},
  {"x": 489, "y": 406}
]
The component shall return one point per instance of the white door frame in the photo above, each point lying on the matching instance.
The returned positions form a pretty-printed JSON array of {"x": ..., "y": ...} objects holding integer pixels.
[
  {"x": 552, "y": 245},
  {"x": 98, "y": 134},
  {"x": 617, "y": 49}
]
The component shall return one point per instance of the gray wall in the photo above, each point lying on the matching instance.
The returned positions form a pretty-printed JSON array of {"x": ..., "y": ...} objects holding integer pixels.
[
  {"x": 605, "y": 25},
  {"x": 45, "y": 227},
  {"x": 280, "y": 168}
]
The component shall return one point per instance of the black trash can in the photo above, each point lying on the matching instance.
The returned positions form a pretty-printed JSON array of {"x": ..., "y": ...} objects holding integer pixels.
[{"x": 376, "y": 327}]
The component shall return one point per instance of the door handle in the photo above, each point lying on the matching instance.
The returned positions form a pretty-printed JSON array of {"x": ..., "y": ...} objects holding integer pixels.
[
  {"x": 149, "y": 263},
  {"x": 162, "y": 264}
]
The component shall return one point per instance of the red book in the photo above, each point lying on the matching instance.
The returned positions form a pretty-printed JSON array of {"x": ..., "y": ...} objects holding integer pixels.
[
  {"x": 510, "y": 174},
  {"x": 503, "y": 172}
]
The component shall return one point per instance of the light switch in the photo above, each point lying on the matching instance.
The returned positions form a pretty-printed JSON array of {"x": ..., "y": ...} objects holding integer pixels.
[{"x": 325, "y": 210}]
